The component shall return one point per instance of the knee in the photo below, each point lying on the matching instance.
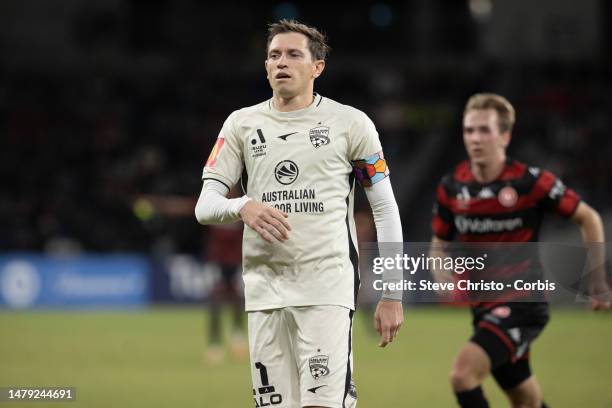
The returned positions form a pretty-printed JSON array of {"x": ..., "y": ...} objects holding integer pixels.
[
  {"x": 470, "y": 368},
  {"x": 463, "y": 379},
  {"x": 526, "y": 400}
]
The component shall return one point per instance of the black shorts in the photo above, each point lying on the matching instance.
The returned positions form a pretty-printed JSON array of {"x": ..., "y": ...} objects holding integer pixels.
[
  {"x": 506, "y": 332},
  {"x": 228, "y": 274}
]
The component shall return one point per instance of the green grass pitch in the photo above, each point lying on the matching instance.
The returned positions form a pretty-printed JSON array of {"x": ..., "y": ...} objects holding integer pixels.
[{"x": 154, "y": 358}]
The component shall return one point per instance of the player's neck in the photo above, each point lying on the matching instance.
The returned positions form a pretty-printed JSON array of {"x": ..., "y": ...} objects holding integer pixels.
[
  {"x": 293, "y": 103},
  {"x": 488, "y": 172}
]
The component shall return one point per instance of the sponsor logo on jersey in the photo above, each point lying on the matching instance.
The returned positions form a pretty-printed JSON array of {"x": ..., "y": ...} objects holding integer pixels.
[
  {"x": 486, "y": 193},
  {"x": 258, "y": 145},
  {"x": 314, "y": 389},
  {"x": 285, "y": 136},
  {"x": 486, "y": 225},
  {"x": 318, "y": 366},
  {"x": 319, "y": 136},
  {"x": 507, "y": 196},
  {"x": 463, "y": 198},
  {"x": 286, "y": 172}
]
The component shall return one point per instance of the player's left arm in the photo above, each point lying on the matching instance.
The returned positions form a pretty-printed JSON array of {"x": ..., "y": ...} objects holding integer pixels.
[
  {"x": 371, "y": 171},
  {"x": 389, "y": 315},
  {"x": 592, "y": 231}
]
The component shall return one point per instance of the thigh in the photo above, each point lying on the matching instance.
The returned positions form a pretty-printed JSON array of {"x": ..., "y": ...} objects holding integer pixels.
[
  {"x": 525, "y": 394},
  {"x": 324, "y": 356},
  {"x": 511, "y": 375},
  {"x": 273, "y": 369},
  {"x": 472, "y": 364},
  {"x": 507, "y": 331}
]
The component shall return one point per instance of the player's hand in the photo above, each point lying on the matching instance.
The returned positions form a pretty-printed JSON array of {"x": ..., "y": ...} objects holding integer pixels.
[
  {"x": 388, "y": 319},
  {"x": 268, "y": 222},
  {"x": 601, "y": 298}
]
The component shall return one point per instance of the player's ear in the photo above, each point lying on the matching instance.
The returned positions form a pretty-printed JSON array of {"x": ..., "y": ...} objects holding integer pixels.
[
  {"x": 506, "y": 137},
  {"x": 317, "y": 68},
  {"x": 266, "y": 68}
]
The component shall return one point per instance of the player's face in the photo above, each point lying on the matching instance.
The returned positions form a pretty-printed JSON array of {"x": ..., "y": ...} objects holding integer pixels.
[
  {"x": 290, "y": 67},
  {"x": 483, "y": 140}
]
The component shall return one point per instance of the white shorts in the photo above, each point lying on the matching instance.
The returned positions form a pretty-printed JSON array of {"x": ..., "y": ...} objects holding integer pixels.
[{"x": 302, "y": 356}]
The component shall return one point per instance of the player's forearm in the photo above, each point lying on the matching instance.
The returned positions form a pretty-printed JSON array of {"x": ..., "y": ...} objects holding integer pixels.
[
  {"x": 214, "y": 208},
  {"x": 438, "y": 250},
  {"x": 591, "y": 225},
  {"x": 388, "y": 230},
  {"x": 592, "y": 231}
]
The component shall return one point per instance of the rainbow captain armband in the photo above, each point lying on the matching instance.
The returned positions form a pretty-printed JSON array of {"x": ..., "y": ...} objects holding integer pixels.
[{"x": 370, "y": 170}]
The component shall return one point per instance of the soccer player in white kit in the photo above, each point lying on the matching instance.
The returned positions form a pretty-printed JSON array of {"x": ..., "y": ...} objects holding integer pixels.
[{"x": 301, "y": 153}]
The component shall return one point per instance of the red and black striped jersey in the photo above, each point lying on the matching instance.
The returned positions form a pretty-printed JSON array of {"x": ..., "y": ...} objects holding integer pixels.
[{"x": 509, "y": 209}]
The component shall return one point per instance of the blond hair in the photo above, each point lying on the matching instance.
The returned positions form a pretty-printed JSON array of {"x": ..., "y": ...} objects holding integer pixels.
[{"x": 505, "y": 111}]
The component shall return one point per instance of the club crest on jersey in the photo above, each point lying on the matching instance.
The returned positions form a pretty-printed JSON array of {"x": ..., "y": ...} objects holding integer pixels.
[
  {"x": 318, "y": 366},
  {"x": 507, "y": 196},
  {"x": 319, "y": 136},
  {"x": 286, "y": 172}
]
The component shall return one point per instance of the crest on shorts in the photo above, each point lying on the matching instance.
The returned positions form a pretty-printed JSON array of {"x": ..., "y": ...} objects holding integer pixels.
[
  {"x": 319, "y": 136},
  {"x": 501, "y": 311},
  {"x": 318, "y": 366}
]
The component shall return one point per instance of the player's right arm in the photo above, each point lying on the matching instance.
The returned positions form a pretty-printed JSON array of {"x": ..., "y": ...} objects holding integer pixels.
[
  {"x": 222, "y": 171},
  {"x": 443, "y": 229},
  {"x": 213, "y": 207},
  {"x": 592, "y": 231},
  {"x": 438, "y": 249},
  {"x": 564, "y": 201}
]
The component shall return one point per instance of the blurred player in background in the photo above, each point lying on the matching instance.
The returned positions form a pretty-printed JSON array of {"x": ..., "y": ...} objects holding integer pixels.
[
  {"x": 506, "y": 199},
  {"x": 223, "y": 248},
  {"x": 302, "y": 153}
]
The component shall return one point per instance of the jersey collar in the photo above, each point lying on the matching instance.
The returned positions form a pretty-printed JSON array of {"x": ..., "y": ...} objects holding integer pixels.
[{"x": 297, "y": 113}]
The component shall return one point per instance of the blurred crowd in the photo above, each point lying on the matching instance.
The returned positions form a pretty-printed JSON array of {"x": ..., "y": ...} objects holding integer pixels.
[{"x": 132, "y": 109}]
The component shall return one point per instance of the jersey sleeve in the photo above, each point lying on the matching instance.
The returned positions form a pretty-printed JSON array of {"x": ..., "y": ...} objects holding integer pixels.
[
  {"x": 555, "y": 196},
  {"x": 226, "y": 160},
  {"x": 443, "y": 219},
  {"x": 365, "y": 152}
]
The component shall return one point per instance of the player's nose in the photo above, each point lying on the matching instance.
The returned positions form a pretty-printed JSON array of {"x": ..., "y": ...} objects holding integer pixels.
[
  {"x": 475, "y": 137},
  {"x": 281, "y": 62}
]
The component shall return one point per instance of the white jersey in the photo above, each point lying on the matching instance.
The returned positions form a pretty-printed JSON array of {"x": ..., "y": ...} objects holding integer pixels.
[{"x": 304, "y": 163}]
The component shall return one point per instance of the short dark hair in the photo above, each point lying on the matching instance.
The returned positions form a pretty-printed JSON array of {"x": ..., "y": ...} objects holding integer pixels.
[
  {"x": 505, "y": 111},
  {"x": 317, "y": 41}
]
